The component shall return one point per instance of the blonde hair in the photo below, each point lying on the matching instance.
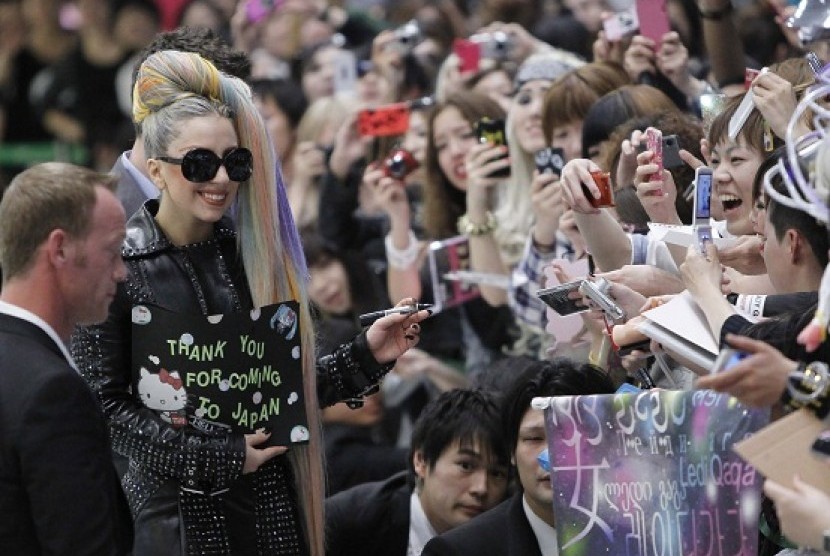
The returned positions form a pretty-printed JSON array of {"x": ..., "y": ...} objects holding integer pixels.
[{"x": 174, "y": 86}]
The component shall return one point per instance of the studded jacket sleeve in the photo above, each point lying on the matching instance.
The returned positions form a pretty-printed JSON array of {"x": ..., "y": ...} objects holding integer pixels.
[
  {"x": 349, "y": 373},
  {"x": 201, "y": 462}
]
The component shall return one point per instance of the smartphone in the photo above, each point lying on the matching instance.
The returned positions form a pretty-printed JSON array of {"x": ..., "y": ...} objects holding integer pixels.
[
  {"x": 654, "y": 143},
  {"x": 469, "y": 55},
  {"x": 550, "y": 160},
  {"x": 703, "y": 195},
  {"x": 558, "y": 299},
  {"x": 606, "y": 193},
  {"x": 597, "y": 292},
  {"x": 821, "y": 446},
  {"x": 383, "y": 121},
  {"x": 492, "y": 131},
  {"x": 399, "y": 164},
  {"x": 620, "y": 24},
  {"x": 654, "y": 19},
  {"x": 728, "y": 358}
]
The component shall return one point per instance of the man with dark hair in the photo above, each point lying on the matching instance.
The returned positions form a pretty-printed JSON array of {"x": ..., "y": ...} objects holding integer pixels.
[
  {"x": 458, "y": 464},
  {"x": 134, "y": 185},
  {"x": 60, "y": 247},
  {"x": 524, "y": 524}
]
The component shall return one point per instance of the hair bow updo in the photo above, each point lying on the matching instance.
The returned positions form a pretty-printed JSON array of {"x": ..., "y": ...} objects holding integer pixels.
[{"x": 169, "y": 76}]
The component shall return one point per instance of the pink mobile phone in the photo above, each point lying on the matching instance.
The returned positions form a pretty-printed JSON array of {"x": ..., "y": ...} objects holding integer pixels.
[
  {"x": 654, "y": 143},
  {"x": 654, "y": 19}
]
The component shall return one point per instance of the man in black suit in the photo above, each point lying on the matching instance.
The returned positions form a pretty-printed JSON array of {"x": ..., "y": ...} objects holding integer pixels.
[
  {"x": 524, "y": 524},
  {"x": 61, "y": 229},
  {"x": 458, "y": 469}
]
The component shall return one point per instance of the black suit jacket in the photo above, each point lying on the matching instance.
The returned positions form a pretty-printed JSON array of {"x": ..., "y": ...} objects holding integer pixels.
[
  {"x": 501, "y": 531},
  {"x": 128, "y": 191},
  {"x": 58, "y": 489},
  {"x": 370, "y": 519}
]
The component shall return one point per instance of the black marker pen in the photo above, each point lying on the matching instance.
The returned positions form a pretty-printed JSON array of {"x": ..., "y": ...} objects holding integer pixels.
[{"x": 368, "y": 318}]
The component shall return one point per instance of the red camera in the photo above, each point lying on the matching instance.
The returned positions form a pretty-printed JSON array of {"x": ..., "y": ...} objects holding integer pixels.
[{"x": 399, "y": 164}]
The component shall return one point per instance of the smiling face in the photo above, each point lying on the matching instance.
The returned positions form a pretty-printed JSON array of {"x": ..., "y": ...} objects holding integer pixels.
[
  {"x": 463, "y": 482},
  {"x": 535, "y": 480},
  {"x": 526, "y": 115},
  {"x": 188, "y": 210},
  {"x": 735, "y": 165},
  {"x": 453, "y": 137}
]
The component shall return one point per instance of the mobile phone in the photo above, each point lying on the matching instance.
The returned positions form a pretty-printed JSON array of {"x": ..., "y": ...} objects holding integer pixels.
[
  {"x": 550, "y": 160},
  {"x": 557, "y": 298},
  {"x": 606, "y": 193},
  {"x": 703, "y": 195},
  {"x": 597, "y": 292},
  {"x": 383, "y": 121},
  {"x": 620, "y": 24},
  {"x": 671, "y": 151},
  {"x": 654, "y": 143},
  {"x": 492, "y": 131},
  {"x": 821, "y": 446},
  {"x": 727, "y": 358},
  {"x": 654, "y": 19},
  {"x": 399, "y": 164},
  {"x": 469, "y": 55}
]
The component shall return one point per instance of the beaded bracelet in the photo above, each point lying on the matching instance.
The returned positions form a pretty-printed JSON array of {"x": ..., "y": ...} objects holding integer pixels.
[
  {"x": 467, "y": 228},
  {"x": 402, "y": 258}
]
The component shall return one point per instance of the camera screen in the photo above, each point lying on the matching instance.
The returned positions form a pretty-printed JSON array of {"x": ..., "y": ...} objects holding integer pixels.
[{"x": 703, "y": 196}]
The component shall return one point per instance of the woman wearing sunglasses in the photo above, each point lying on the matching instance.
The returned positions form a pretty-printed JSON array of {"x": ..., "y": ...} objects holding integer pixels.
[{"x": 221, "y": 493}]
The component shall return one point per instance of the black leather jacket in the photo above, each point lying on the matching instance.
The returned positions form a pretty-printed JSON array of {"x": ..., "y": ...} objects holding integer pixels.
[{"x": 175, "y": 473}]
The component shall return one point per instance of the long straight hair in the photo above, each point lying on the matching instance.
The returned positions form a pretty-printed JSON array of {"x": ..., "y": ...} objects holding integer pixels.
[{"x": 268, "y": 241}]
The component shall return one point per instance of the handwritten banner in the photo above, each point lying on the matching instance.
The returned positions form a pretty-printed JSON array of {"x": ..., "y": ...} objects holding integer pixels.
[
  {"x": 653, "y": 474},
  {"x": 239, "y": 372}
]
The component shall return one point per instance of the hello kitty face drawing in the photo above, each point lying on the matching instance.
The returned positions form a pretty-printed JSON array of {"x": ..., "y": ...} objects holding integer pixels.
[{"x": 165, "y": 393}]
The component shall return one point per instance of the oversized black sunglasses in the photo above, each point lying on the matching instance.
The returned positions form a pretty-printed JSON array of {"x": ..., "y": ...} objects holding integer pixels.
[{"x": 202, "y": 165}]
